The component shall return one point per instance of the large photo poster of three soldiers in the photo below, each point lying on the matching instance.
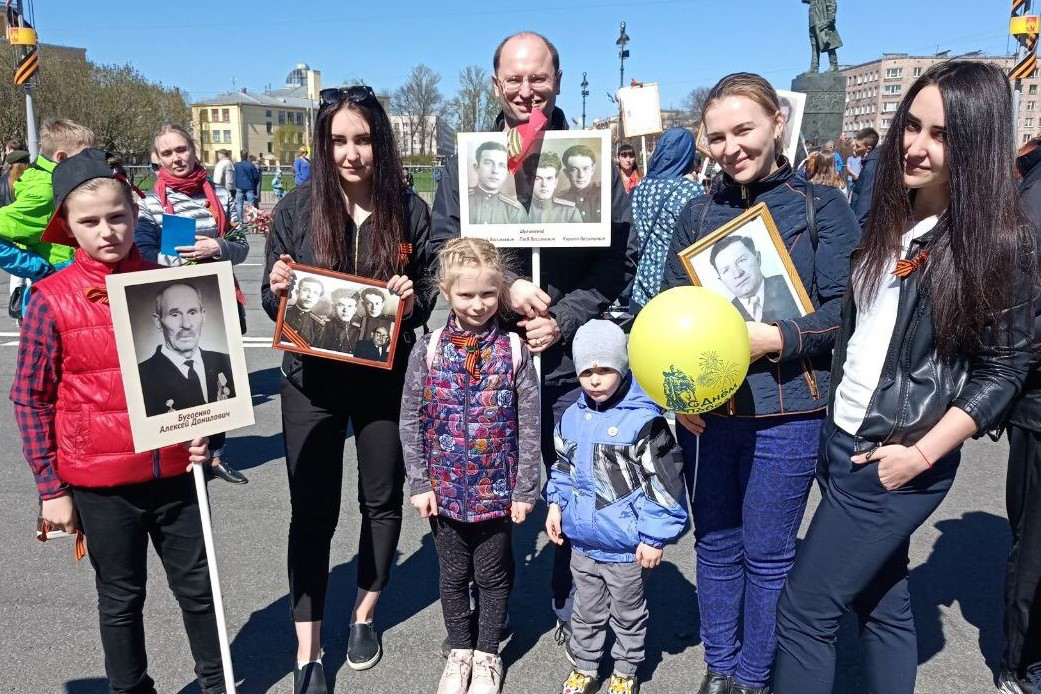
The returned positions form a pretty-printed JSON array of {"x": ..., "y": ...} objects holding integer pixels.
[
  {"x": 180, "y": 353},
  {"x": 558, "y": 196}
]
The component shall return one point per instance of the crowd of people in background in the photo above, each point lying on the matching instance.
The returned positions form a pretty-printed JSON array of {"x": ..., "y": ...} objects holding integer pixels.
[{"x": 909, "y": 345}]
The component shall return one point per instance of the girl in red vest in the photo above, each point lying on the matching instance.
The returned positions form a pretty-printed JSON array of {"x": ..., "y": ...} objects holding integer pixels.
[
  {"x": 72, "y": 414},
  {"x": 470, "y": 436}
]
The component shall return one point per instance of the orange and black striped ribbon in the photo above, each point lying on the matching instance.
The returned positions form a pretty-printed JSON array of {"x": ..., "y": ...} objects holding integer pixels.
[
  {"x": 905, "y": 267},
  {"x": 404, "y": 253},
  {"x": 472, "y": 353},
  {"x": 27, "y": 66},
  {"x": 98, "y": 295},
  {"x": 293, "y": 336}
]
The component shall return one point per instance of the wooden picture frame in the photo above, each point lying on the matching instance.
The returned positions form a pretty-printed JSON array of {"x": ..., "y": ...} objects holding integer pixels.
[
  {"x": 320, "y": 330},
  {"x": 760, "y": 253}
]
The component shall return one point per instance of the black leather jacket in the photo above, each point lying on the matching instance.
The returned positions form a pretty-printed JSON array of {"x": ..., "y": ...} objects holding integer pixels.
[{"x": 918, "y": 386}]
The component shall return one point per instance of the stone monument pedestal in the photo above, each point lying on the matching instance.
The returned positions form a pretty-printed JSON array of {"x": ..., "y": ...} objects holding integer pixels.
[{"x": 825, "y": 105}]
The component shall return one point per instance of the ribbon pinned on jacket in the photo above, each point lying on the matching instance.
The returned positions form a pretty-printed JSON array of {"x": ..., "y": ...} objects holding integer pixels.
[
  {"x": 521, "y": 139},
  {"x": 905, "y": 267},
  {"x": 98, "y": 295},
  {"x": 469, "y": 342}
]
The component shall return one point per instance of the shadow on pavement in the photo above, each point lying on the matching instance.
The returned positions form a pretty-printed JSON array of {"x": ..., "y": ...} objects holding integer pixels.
[
  {"x": 91, "y": 685},
  {"x": 966, "y": 566},
  {"x": 263, "y": 385}
]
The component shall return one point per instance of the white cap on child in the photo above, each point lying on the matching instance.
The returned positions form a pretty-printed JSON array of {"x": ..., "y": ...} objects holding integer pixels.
[{"x": 600, "y": 344}]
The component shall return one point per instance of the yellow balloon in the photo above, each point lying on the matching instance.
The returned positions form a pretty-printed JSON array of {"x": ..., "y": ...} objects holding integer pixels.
[{"x": 688, "y": 349}]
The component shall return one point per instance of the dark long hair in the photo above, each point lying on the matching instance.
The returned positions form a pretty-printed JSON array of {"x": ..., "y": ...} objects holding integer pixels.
[
  {"x": 332, "y": 247},
  {"x": 980, "y": 246}
]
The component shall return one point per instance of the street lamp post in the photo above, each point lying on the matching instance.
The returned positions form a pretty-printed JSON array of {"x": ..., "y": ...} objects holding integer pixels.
[
  {"x": 623, "y": 40},
  {"x": 585, "y": 93}
]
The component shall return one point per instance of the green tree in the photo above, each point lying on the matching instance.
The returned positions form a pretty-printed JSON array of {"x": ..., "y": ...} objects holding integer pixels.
[{"x": 475, "y": 105}]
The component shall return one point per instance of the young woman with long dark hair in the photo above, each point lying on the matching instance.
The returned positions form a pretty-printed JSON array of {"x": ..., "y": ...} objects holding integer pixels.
[
  {"x": 933, "y": 347},
  {"x": 354, "y": 216},
  {"x": 758, "y": 452}
]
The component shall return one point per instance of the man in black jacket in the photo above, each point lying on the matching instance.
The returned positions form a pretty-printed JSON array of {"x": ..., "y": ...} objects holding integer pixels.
[
  {"x": 576, "y": 284},
  {"x": 865, "y": 146},
  {"x": 1021, "y": 663}
]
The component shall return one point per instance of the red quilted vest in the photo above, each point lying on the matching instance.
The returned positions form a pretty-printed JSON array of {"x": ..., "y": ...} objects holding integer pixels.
[{"x": 92, "y": 427}]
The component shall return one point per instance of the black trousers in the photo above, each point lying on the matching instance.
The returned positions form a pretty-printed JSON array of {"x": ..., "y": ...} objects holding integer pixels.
[
  {"x": 1023, "y": 576},
  {"x": 118, "y": 523},
  {"x": 482, "y": 553},
  {"x": 855, "y": 556},
  {"x": 315, "y": 434},
  {"x": 556, "y": 399}
]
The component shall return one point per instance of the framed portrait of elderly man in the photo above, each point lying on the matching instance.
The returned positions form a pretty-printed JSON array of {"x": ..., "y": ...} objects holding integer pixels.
[
  {"x": 745, "y": 261},
  {"x": 559, "y": 196},
  {"x": 180, "y": 353},
  {"x": 337, "y": 316}
]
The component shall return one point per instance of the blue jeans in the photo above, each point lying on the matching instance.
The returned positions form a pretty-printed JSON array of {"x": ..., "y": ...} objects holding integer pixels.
[
  {"x": 855, "y": 557},
  {"x": 748, "y": 495},
  {"x": 243, "y": 196}
]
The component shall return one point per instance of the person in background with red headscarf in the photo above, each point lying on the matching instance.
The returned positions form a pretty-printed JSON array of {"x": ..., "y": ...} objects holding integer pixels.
[{"x": 183, "y": 189}]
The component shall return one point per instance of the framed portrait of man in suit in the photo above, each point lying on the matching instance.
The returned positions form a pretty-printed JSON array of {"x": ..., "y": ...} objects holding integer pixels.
[
  {"x": 746, "y": 262},
  {"x": 180, "y": 353},
  {"x": 337, "y": 316}
]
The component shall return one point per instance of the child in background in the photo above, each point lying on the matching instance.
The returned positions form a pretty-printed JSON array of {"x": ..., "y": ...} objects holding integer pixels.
[
  {"x": 616, "y": 492},
  {"x": 72, "y": 414},
  {"x": 470, "y": 434}
]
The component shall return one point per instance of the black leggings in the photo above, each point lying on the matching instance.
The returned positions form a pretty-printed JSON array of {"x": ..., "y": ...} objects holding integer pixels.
[
  {"x": 482, "y": 553},
  {"x": 314, "y": 440}
]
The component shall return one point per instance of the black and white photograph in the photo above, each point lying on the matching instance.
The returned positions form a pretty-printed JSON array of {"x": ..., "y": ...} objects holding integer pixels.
[
  {"x": 746, "y": 262},
  {"x": 793, "y": 105},
  {"x": 180, "y": 353},
  {"x": 559, "y": 195},
  {"x": 337, "y": 316}
]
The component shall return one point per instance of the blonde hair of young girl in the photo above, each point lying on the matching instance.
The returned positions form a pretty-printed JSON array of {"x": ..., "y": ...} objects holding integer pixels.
[{"x": 477, "y": 254}]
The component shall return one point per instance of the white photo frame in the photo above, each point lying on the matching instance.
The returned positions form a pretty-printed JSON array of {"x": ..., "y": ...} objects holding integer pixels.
[
  {"x": 793, "y": 106},
  {"x": 506, "y": 208},
  {"x": 166, "y": 405},
  {"x": 641, "y": 109}
]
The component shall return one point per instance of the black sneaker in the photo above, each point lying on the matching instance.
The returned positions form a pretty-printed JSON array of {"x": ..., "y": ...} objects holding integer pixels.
[
  {"x": 310, "y": 679},
  {"x": 363, "y": 647},
  {"x": 715, "y": 683},
  {"x": 743, "y": 689}
]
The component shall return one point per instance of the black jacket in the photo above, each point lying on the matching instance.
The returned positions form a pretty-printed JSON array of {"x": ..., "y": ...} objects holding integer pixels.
[
  {"x": 165, "y": 388},
  {"x": 798, "y": 381},
  {"x": 324, "y": 379},
  {"x": 581, "y": 282},
  {"x": 860, "y": 201},
  {"x": 917, "y": 386},
  {"x": 1026, "y": 412}
]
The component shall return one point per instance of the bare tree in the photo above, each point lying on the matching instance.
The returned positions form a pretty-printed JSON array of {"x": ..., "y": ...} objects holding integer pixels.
[
  {"x": 417, "y": 100},
  {"x": 693, "y": 103},
  {"x": 475, "y": 105}
]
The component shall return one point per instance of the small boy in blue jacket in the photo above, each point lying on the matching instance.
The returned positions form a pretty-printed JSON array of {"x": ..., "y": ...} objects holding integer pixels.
[{"x": 616, "y": 493}]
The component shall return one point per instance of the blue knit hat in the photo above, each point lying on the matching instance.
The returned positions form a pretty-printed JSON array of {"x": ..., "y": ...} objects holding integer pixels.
[{"x": 600, "y": 344}]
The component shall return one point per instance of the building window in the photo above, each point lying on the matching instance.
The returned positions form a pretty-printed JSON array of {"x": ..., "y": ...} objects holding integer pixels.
[
  {"x": 299, "y": 138},
  {"x": 889, "y": 107},
  {"x": 204, "y": 137},
  {"x": 1032, "y": 90},
  {"x": 1029, "y": 123},
  {"x": 281, "y": 117},
  {"x": 299, "y": 119},
  {"x": 225, "y": 115},
  {"x": 268, "y": 128},
  {"x": 1026, "y": 138},
  {"x": 204, "y": 116},
  {"x": 893, "y": 72},
  {"x": 227, "y": 137},
  {"x": 216, "y": 136},
  {"x": 205, "y": 156},
  {"x": 267, "y": 114},
  {"x": 917, "y": 72},
  {"x": 1030, "y": 105},
  {"x": 892, "y": 89},
  {"x": 885, "y": 122},
  {"x": 269, "y": 148}
]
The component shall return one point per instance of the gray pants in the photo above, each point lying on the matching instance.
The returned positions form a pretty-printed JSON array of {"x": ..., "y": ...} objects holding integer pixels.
[{"x": 607, "y": 592}]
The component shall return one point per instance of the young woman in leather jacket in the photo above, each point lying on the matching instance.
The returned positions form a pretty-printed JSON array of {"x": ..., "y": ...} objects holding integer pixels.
[
  {"x": 933, "y": 347},
  {"x": 758, "y": 452}
]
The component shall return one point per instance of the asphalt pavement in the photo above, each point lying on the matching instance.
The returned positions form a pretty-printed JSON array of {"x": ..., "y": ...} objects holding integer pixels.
[{"x": 48, "y": 616}]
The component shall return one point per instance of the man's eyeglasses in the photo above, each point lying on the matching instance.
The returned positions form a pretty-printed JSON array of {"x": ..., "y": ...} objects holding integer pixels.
[
  {"x": 537, "y": 83},
  {"x": 336, "y": 95}
]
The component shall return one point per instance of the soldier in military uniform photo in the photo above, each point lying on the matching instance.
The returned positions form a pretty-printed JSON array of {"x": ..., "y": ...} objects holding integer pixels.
[
  {"x": 487, "y": 203},
  {"x": 580, "y": 167},
  {"x": 372, "y": 318},
  {"x": 300, "y": 316},
  {"x": 544, "y": 170}
]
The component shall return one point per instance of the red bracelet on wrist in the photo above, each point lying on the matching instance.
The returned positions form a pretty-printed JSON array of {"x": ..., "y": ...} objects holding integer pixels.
[{"x": 927, "y": 461}]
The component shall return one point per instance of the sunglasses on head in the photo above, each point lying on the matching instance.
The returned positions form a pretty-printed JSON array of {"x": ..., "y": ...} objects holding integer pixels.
[{"x": 336, "y": 95}]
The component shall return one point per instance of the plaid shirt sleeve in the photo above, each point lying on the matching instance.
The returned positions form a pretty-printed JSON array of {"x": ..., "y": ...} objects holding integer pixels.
[{"x": 35, "y": 392}]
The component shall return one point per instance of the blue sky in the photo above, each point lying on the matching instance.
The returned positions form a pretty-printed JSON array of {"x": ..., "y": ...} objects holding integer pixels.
[{"x": 681, "y": 44}]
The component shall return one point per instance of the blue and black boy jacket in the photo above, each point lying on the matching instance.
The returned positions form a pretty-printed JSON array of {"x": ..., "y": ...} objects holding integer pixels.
[
  {"x": 617, "y": 477},
  {"x": 796, "y": 380}
]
